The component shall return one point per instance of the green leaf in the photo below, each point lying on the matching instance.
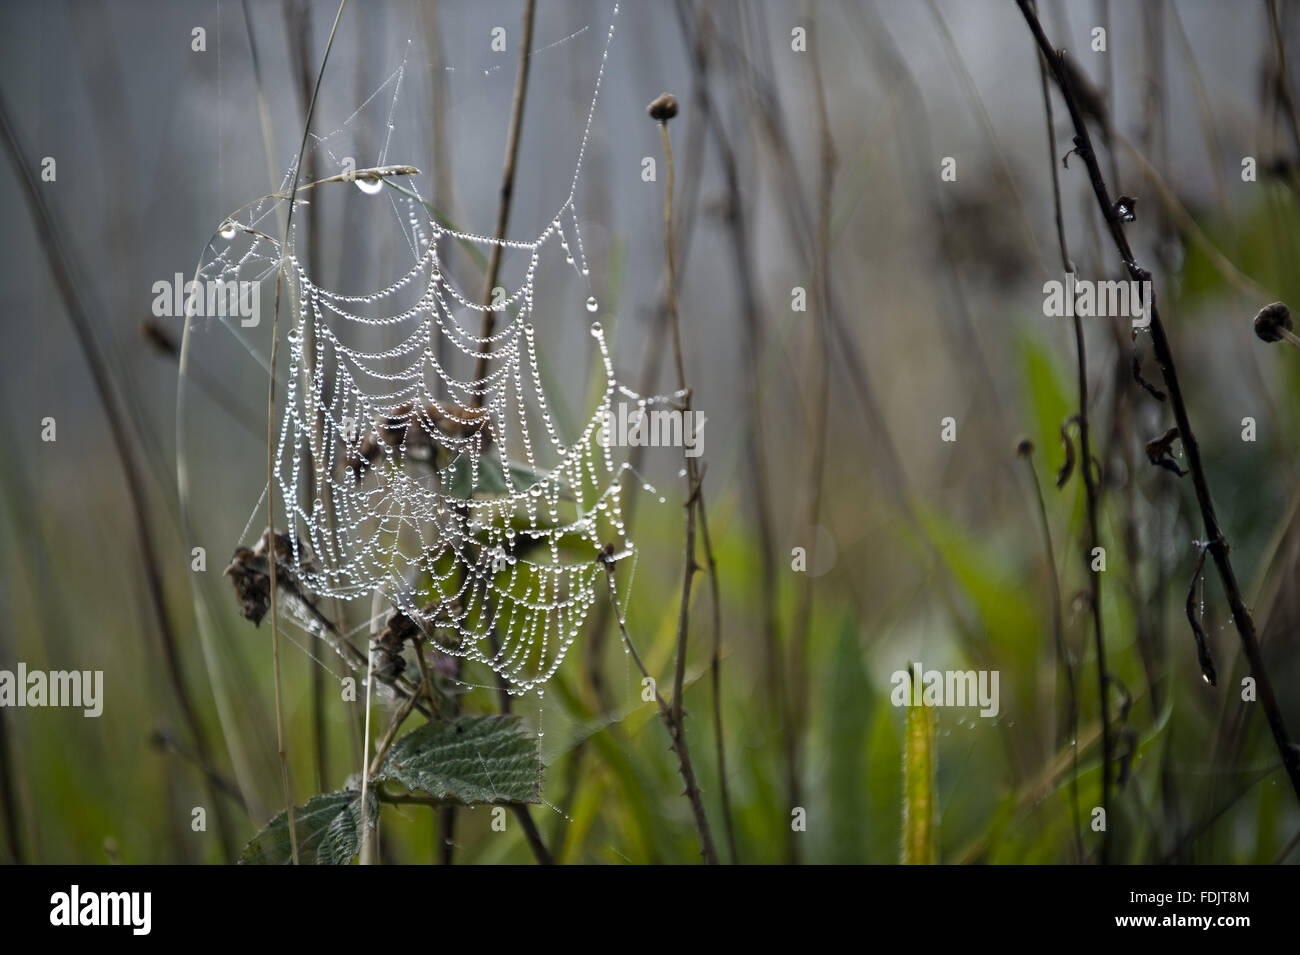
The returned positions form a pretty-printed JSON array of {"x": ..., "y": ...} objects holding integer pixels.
[
  {"x": 327, "y": 830},
  {"x": 850, "y": 702},
  {"x": 1046, "y": 397},
  {"x": 920, "y": 804},
  {"x": 472, "y": 760}
]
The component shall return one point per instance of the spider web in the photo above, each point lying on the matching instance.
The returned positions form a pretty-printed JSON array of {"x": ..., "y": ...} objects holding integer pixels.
[{"x": 452, "y": 496}]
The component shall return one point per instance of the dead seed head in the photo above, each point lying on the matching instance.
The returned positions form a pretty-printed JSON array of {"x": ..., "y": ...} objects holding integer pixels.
[
  {"x": 1272, "y": 321},
  {"x": 663, "y": 108},
  {"x": 250, "y": 575}
]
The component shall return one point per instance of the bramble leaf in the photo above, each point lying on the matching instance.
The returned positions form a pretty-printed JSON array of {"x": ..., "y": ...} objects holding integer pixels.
[
  {"x": 471, "y": 759},
  {"x": 327, "y": 830}
]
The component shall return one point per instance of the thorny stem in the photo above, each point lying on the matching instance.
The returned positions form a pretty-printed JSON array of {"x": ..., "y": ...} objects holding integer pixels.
[
  {"x": 1090, "y": 492},
  {"x": 694, "y": 500},
  {"x": 692, "y": 486},
  {"x": 270, "y": 444},
  {"x": 647, "y": 376},
  {"x": 675, "y": 733},
  {"x": 1218, "y": 543}
]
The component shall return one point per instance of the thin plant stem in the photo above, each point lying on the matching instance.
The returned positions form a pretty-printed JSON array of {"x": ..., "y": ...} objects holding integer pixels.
[
  {"x": 167, "y": 742},
  {"x": 820, "y": 387},
  {"x": 1090, "y": 545},
  {"x": 1283, "y": 87},
  {"x": 368, "y": 853},
  {"x": 1103, "y": 20},
  {"x": 531, "y": 834},
  {"x": 1209, "y": 129},
  {"x": 507, "y": 191},
  {"x": 1067, "y": 266},
  {"x": 715, "y": 675},
  {"x": 692, "y": 479},
  {"x": 448, "y": 819},
  {"x": 298, "y": 30},
  {"x": 64, "y": 274},
  {"x": 1062, "y": 652},
  {"x": 270, "y": 446},
  {"x": 698, "y": 31},
  {"x": 395, "y": 724},
  {"x": 981, "y": 111}
]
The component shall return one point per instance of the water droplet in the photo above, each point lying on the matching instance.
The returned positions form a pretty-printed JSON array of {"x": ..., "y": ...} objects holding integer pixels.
[
  {"x": 592, "y": 304},
  {"x": 228, "y": 230},
  {"x": 370, "y": 187},
  {"x": 595, "y": 329}
]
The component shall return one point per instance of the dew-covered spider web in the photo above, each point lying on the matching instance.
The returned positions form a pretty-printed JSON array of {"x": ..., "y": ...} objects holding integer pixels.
[{"x": 402, "y": 471}]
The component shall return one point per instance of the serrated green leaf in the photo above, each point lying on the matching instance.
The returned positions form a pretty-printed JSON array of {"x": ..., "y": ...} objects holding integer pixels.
[
  {"x": 472, "y": 760},
  {"x": 327, "y": 830}
]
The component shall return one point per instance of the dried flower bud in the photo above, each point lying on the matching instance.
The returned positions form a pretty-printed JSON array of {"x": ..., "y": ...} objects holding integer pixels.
[
  {"x": 663, "y": 108},
  {"x": 1273, "y": 322},
  {"x": 250, "y": 573}
]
